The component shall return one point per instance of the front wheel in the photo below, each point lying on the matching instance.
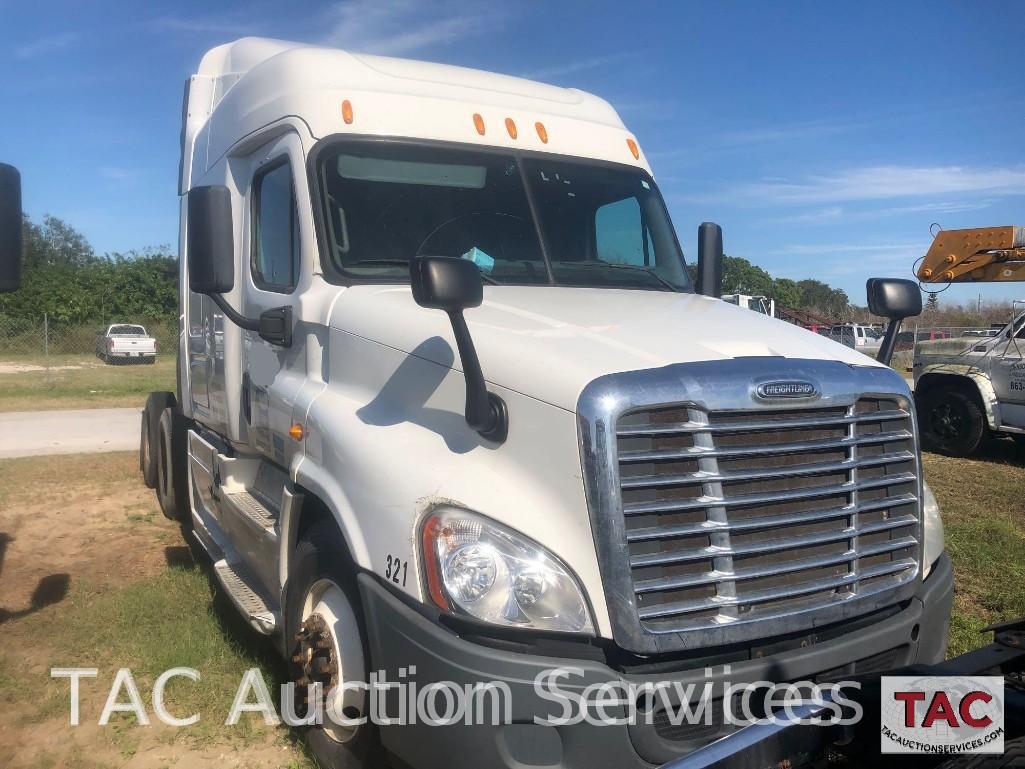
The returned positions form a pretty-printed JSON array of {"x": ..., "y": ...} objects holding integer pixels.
[
  {"x": 952, "y": 422},
  {"x": 326, "y": 644}
]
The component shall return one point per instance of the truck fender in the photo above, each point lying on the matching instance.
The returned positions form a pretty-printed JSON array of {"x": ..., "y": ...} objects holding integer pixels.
[
  {"x": 310, "y": 480},
  {"x": 973, "y": 378}
]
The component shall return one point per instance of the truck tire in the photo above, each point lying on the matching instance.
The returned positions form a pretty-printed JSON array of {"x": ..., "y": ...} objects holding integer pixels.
[
  {"x": 951, "y": 422},
  {"x": 172, "y": 466},
  {"x": 155, "y": 405},
  {"x": 321, "y": 584}
]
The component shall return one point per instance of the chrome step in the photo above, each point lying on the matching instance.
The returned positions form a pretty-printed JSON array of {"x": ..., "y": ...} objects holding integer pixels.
[
  {"x": 238, "y": 582},
  {"x": 254, "y": 506}
]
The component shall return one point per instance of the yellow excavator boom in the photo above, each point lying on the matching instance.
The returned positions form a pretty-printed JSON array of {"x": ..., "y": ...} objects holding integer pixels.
[{"x": 978, "y": 255}]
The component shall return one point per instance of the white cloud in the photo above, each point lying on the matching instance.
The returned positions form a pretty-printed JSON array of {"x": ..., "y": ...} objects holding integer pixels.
[
  {"x": 118, "y": 173},
  {"x": 45, "y": 45},
  {"x": 811, "y": 129},
  {"x": 401, "y": 26},
  {"x": 818, "y": 216},
  {"x": 884, "y": 182},
  {"x": 578, "y": 65},
  {"x": 833, "y": 214},
  {"x": 839, "y": 259},
  {"x": 231, "y": 26},
  {"x": 847, "y": 248}
]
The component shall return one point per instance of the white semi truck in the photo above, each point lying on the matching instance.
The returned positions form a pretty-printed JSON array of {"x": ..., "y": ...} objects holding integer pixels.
[{"x": 448, "y": 401}]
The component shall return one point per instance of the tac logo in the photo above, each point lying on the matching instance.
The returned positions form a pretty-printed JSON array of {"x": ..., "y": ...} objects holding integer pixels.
[{"x": 942, "y": 714}]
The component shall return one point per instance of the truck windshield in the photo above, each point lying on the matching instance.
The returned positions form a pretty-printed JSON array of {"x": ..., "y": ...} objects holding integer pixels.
[{"x": 596, "y": 225}]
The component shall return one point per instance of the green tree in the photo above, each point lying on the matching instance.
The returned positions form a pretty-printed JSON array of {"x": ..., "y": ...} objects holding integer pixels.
[
  {"x": 739, "y": 276},
  {"x": 65, "y": 279},
  {"x": 54, "y": 243},
  {"x": 786, "y": 292}
]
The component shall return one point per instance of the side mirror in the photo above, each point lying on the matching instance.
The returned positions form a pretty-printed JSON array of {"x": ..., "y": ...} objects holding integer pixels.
[
  {"x": 710, "y": 259},
  {"x": 453, "y": 285},
  {"x": 446, "y": 283},
  {"x": 10, "y": 228},
  {"x": 894, "y": 299},
  {"x": 211, "y": 256},
  {"x": 211, "y": 240}
]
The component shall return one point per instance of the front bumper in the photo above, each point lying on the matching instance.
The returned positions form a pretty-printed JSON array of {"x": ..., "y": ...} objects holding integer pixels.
[{"x": 400, "y": 637}]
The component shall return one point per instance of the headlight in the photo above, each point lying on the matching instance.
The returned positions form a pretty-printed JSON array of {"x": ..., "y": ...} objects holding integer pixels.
[
  {"x": 480, "y": 568},
  {"x": 933, "y": 525}
]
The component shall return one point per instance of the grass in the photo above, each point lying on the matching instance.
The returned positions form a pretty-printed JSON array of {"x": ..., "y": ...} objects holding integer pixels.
[
  {"x": 984, "y": 520},
  {"x": 175, "y": 618},
  {"x": 137, "y": 600},
  {"x": 82, "y": 381},
  {"x": 172, "y": 620}
]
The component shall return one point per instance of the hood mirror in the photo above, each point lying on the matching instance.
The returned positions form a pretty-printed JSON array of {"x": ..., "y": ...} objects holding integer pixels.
[
  {"x": 452, "y": 285},
  {"x": 894, "y": 299},
  {"x": 10, "y": 228}
]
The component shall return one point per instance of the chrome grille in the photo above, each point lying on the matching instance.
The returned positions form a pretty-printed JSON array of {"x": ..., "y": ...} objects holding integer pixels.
[
  {"x": 722, "y": 514},
  {"x": 753, "y": 514}
]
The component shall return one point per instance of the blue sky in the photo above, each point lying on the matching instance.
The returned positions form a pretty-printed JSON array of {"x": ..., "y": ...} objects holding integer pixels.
[{"x": 824, "y": 137}]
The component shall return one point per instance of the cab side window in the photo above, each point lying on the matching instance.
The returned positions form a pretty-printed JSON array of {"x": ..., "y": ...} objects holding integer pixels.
[{"x": 275, "y": 242}]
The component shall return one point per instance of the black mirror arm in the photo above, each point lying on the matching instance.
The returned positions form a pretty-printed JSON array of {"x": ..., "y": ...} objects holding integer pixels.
[
  {"x": 485, "y": 412},
  {"x": 889, "y": 341},
  {"x": 249, "y": 324},
  {"x": 275, "y": 326}
]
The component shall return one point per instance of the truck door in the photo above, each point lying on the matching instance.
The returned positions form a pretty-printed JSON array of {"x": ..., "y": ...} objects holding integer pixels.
[
  {"x": 272, "y": 375},
  {"x": 1009, "y": 377}
]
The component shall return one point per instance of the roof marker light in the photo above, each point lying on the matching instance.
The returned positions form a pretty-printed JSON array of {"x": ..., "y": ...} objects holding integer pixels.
[
  {"x": 510, "y": 126},
  {"x": 634, "y": 150},
  {"x": 347, "y": 112},
  {"x": 542, "y": 133},
  {"x": 478, "y": 123}
]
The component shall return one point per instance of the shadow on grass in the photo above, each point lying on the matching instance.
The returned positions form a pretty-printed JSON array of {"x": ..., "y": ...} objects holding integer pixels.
[
  {"x": 50, "y": 590},
  {"x": 1002, "y": 451}
]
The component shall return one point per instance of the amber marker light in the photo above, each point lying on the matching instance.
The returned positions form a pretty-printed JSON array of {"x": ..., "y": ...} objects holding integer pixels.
[
  {"x": 510, "y": 126},
  {"x": 478, "y": 123},
  {"x": 347, "y": 112},
  {"x": 634, "y": 150},
  {"x": 542, "y": 132},
  {"x": 434, "y": 529},
  {"x": 297, "y": 432}
]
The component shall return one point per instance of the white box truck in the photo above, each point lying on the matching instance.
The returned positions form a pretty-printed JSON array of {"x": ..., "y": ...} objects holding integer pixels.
[{"x": 449, "y": 401}]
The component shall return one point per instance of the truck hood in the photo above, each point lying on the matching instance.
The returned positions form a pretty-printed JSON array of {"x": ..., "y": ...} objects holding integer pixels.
[{"x": 549, "y": 342}]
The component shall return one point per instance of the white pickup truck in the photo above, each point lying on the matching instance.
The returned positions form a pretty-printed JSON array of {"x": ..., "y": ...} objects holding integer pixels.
[
  {"x": 124, "y": 343},
  {"x": 450, "y": 409}
]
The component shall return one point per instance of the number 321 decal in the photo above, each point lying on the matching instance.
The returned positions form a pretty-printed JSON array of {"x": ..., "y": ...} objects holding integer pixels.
[{"x": 396, "y": 569}]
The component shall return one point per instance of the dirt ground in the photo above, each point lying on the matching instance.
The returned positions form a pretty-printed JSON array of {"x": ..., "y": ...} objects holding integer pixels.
[
  {"x": 12, "y": 367},
  {"x": 74, "y": 529}
]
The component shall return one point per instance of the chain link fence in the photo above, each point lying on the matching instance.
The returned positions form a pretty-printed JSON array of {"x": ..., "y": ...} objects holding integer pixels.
[{"x": 45, "y": 342}]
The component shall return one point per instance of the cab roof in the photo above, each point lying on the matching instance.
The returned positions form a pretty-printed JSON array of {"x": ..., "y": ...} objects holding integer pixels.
[{"x": 243, "y": 86}]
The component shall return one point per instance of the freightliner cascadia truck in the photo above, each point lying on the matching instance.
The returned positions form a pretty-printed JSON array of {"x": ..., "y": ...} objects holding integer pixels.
[{"x": 451, "y": 406}]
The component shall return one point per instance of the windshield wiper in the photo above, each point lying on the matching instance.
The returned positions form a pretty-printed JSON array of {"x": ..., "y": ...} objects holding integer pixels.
[
  {"x": 632, "y": 268},
  {"x": 404, "y": 263}
]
